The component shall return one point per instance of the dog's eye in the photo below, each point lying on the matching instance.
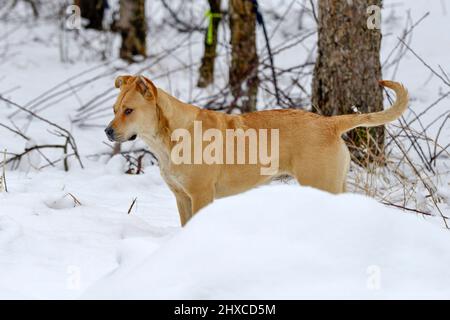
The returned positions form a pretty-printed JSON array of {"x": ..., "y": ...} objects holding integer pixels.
[{"x": 128, "y": 111}]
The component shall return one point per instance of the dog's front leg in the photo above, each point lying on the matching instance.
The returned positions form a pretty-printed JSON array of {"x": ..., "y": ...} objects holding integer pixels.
[
  {"x": 184, "y": 205},
  {"x": 190, "y": 199},
  {"x": 201, "y": 199}
]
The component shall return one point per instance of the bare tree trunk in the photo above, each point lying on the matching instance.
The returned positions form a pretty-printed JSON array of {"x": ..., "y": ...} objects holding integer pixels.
[
  {"x": 94, "y": 11},
  {"x": 206, "y": 72},
  {"x": 133, "y": 28},
  {"x": 347, "y": 71},
  {"x": 243, "y": 75}
]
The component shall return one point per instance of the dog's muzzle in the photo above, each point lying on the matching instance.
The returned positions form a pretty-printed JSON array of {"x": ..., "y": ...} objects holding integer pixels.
[{"x": 110, "y": 134}]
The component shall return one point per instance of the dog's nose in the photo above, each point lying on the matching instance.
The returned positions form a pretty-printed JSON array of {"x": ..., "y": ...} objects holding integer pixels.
[{"x": 109, "y": 133}]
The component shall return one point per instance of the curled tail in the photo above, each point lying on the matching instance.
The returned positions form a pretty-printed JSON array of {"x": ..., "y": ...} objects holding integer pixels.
[{"x": 346, "y": 123}]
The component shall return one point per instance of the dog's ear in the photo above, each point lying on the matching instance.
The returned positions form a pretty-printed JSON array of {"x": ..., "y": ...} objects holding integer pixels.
[
  {"x": 146, "y": 87},
  {"x": 121, "y": 80}
]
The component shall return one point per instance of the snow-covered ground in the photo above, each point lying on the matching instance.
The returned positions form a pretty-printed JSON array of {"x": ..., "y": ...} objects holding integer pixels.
[
  {"x": 53, "y": 248},
  {"x": 68, "y": 234},
  {"x": 284, "y": 242}
]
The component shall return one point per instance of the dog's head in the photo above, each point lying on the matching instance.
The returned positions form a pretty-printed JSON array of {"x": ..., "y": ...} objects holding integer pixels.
[{"x": 134, "y": 110}]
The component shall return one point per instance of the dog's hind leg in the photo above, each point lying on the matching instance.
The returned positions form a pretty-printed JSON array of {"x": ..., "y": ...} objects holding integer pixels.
[
  {"x": 325, "y": 171},
  {"x": 347, "y": 160}
]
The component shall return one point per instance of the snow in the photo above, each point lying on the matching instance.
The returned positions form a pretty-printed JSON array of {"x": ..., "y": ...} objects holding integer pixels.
[
  {"x": 278, "y": 241},
  {"x": 287, "y": 242},
  {"x": 44, "y": 236},
  {"x": 68, "y": 235}
]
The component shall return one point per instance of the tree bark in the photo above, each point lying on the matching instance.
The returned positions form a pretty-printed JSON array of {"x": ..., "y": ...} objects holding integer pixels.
[
  {"x": 347, "y": 71},
  {"x": 94, "y": 11},
  {"x": 243, "y": 75},
  {"x": 133, "y": 28},
  {"x": 206, "y": 71}
]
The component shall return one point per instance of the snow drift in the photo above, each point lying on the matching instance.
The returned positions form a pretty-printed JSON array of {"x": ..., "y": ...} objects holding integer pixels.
[{"x": 290, "y": 242}]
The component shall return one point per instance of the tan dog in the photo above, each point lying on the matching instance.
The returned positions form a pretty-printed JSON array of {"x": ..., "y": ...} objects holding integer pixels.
[{"x": 310, "y": 146}]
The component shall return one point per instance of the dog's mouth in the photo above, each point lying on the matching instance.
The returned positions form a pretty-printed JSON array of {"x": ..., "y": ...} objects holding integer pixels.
[{"x": 133, "y": 137}]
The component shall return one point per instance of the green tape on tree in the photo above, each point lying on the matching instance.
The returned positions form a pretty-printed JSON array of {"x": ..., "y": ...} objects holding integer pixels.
[{"x": 211, "y": 16}]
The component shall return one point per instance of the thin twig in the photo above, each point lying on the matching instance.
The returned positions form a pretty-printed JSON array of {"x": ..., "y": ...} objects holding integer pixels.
[
  {"x": 425, "y": 63},
  {"x": 409, "y": 209},
  {"x": 5, "y": 186},
  {"x": 75, "y": 200},
  {"x": 132, "y": 205}
]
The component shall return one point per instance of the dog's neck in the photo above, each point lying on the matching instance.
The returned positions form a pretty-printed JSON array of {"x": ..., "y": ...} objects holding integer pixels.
[
  {"x": 174, "y": 114},
  {"x": 177, "y": 113}
]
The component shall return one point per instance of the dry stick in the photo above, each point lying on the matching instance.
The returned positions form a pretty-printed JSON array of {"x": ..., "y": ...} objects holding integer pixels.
[
  {"x": 417, "y": 172},
  {"x": 18, "y": 157},
  {"x": 426, "y": 64},
  {"x": 444, "y": 149},
  {"x": 406, "y": 152},
  {"x": 66, "y": 162},
  {"x": 426, "y": 138},
  {"x": 402, "y": 52},
  {"x": 277, "y": 52},
  {"x": 432, "y": 156},
  {"x": 433, "y": 159},
  {"x": 178, "y": 22},
  {"x": 132, "y": 205},
  {"x": 435, "y": 103},
  {"x": 27, "y": 150},
  {"x": 430, "y": 190},
  {"x": 67, "y": 133},
  {"x": 45, "y": 157},
  {"x": 36, "y": 100},
  {"x": 63, "y": 91},
  {"x": 55, "y": 102},
  {"x": 298, "y": 39},
  {"x": 93, "y": 103},
  {"x": 416, "y": 146},
  {"x": 94, "y": 113},
  {"x": 284, "y": 15},
  {"x": 139, "y": 169},
  {"x": 313, "y": 9},
  {"x": 413, "y": 139},
  {"x": 424, "y": 132},
  {"x": 279, "y": 49},
  {"x": 409, "y": 209},
  {"x": 75, "y": 200},
  {"x": 404, "y": 36},
  {"x": 223, "y": 93},
  {"x": 14, "y": 131},
  {"x": 261, "y": 22},
  {"x": 418, "y": 116},
  {"x": 444, "y": 73},
  {"x": 299, "y": 74},
  {"x": 127, "y": 154},
  {"x": 46, "y": 97},
  {"x": 141, "y": 150},
  {"x": 4, "y": 172},
  {"x": 422, "y": 136},
  {"x": 52, "y": 163},
  {"x": 437, "y": 119}
]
